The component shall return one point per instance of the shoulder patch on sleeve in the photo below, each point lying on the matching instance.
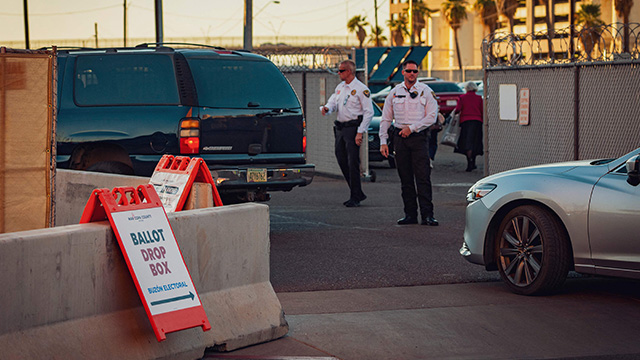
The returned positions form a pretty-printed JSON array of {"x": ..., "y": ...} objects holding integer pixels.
[
  {"x": 366, "y": 93},
  {"x": 434, "y": 95}
]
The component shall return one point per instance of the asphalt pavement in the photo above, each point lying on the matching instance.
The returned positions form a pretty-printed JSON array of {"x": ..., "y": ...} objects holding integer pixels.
[{"x": 591, "y": 318}]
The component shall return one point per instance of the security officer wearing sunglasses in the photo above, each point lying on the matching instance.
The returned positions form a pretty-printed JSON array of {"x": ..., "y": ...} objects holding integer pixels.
[
  {"x": 414, "y": 107},
  {"x": 355, "y": 111}
]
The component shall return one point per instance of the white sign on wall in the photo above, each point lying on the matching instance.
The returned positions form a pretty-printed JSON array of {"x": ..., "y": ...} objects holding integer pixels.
[{"x": 508, "y": 96}]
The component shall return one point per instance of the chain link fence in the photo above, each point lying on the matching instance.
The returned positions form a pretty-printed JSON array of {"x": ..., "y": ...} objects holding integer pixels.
[{"x": 580, "y": 109}]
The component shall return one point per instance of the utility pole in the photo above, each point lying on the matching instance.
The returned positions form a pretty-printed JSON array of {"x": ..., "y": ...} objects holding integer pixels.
[
  {"x": 26, "y": 24},
  {"x": 95, "y": 29},
  {"x": 159, "y": 35},
  {"x": 375, "y": 11},
  {"x": 124, "y": 42},
  {"x": 347, "y": 12},
  {"x": 248, "y": 25}
]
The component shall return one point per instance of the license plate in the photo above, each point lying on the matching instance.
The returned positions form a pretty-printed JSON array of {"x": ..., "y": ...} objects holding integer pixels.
[
  {"x": 256, "y": 175},
  {"x": 452, "y": 102}
]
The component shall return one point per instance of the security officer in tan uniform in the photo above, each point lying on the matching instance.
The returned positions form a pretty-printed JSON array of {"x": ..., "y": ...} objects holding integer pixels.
[
  {"x": 355, "y": 111},
  {"x": 414, "y": 107}
]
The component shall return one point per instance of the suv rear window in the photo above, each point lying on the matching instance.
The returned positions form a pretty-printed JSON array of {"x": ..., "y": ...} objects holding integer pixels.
[
  {"x": 125, "y": 80},
  {"x": 241, "y": 84}
]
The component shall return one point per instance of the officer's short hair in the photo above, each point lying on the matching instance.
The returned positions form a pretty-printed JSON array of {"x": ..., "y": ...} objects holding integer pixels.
[
  {"x": 471, "y": 86},
  {"x": 404, "y": 64},
  {"x": 350, "y": 65}
]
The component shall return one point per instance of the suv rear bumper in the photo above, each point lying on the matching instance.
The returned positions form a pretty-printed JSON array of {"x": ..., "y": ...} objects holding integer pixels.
[{"x": 278, "y": 178}]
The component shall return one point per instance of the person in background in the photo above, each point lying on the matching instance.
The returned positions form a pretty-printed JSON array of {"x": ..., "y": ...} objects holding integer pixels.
[
  {"x": 470, "y": 109},
  {"x": 414, "y": 107},
  {"x": 351, "y": 100}
]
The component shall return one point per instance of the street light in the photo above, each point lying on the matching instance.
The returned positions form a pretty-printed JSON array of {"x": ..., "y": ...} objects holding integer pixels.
[
  {"x": 265, "y": 6},
  {"x": 248, "y": 22}
]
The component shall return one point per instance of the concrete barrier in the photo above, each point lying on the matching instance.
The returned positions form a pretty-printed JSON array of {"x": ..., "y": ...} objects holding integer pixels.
[
  {"x": 73, "y": 189},
  {"x": 67, "y": 292}
]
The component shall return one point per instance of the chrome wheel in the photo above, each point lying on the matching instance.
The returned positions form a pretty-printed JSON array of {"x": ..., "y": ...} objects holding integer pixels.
[
  {"x": 521, "y": 251},
  {"x": 533, "y": 252}
]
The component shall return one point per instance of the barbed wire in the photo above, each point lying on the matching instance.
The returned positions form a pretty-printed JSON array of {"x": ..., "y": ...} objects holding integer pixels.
[
  {"x": 289, "y": 59},
  {"x": 590, "y": 44}
]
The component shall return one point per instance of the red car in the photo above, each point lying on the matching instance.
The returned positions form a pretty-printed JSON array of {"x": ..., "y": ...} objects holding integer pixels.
[{"x": 448, "y": 93}]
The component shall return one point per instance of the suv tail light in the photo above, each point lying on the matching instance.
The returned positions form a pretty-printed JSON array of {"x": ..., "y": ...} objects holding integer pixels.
[
  {"x": 304, "y": 136},
  {"x": 190, "y": 136}
]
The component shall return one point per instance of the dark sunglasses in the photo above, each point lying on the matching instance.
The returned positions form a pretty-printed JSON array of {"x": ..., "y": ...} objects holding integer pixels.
[
  {"x": 411, "y": 71},
  {"x": 343, "y": 70}
]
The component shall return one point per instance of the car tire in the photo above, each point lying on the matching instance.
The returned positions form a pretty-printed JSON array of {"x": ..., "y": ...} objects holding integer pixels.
[{"x": 532, "y": 251}]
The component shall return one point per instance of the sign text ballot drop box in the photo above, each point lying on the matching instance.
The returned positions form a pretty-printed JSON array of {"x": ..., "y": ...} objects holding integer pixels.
[{"x": 152, "y": 255}]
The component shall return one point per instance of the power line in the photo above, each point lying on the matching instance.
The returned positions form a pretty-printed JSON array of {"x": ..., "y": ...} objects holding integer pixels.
[
  {"x": 183, "y": 15},
  {"x": 62, "y": 13}
]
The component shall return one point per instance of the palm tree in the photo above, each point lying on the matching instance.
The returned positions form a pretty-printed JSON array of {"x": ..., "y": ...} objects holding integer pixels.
[
  {"x": 508, "y": 9},
  {"x": 488, "y": 14},
  {"x": 379, "y": 38},
  {"x": 356, "y": 25},
  {"x": 489, "y": 17},
  {"x": 623, "y": 9},
  {"x": 589, "y": 18},
  {"x": 398, "y": 29},
  {"x": 420, "y": 12},
  {"x": 455, "y": 11}
]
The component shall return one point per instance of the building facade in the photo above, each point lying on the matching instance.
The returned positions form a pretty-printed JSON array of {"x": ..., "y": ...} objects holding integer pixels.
[{"x": 529, "y": 19}]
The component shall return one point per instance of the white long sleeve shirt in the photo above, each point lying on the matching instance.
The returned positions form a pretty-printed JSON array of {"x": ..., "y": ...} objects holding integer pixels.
[
  {"x": 418, "y": 112},
  {"x": 350, "y": 101}
]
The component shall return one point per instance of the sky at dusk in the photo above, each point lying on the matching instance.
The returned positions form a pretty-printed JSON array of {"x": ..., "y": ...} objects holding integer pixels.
[{"x": 75, "y": 19}]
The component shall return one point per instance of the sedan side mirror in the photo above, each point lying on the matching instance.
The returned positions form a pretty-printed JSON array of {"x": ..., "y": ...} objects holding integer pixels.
[{"x": 633, "y": 170}]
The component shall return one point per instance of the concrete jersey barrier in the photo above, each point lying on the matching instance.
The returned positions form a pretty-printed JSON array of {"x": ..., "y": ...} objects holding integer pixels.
[{"x": 67, "y": 292}]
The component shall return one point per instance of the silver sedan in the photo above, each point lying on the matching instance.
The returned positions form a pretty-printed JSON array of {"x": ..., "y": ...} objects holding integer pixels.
[{"x": 535, "y": 224}]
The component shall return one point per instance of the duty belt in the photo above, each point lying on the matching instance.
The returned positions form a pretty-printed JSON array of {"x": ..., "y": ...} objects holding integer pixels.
[
  {"x": 345, "y": 124},
  {"x": 396, "y": 131}
]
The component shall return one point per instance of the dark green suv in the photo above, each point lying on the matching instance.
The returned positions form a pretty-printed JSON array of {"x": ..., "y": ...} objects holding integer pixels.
[{"x": 121, "y": 109}]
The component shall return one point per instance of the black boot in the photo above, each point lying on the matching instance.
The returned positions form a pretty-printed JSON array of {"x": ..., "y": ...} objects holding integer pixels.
[{"x": 471, "y": 164}]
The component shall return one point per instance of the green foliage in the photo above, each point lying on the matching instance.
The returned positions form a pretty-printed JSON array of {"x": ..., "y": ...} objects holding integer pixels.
[
  {"x": 589, "y": 15},
  {"x": 356, "y": 25},
  {"x": 488, "y": 13},
  {"x": 374, "y": 32},
  {"x": 455, "y": 11}
]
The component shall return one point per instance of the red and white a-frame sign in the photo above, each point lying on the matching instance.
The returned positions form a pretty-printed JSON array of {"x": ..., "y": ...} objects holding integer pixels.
[
  {"x": 152, "y": 255},
  {"x": 174, "y": 176}
]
